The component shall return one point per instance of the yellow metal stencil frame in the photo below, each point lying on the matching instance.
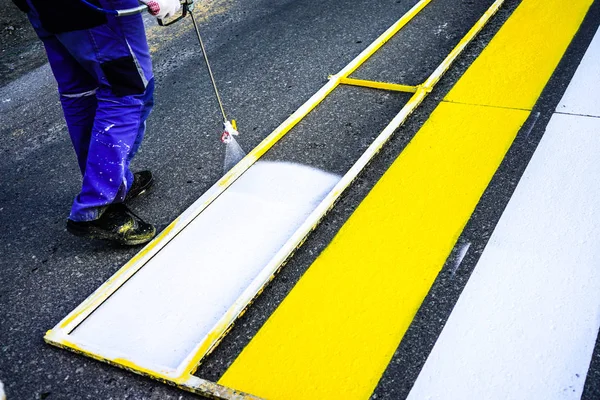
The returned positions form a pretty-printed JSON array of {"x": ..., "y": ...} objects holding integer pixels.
[{"x": 183, "y": 377}]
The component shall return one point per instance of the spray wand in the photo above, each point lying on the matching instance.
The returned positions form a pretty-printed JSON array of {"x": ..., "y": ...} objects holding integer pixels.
[{"x": 233, "y": 151}]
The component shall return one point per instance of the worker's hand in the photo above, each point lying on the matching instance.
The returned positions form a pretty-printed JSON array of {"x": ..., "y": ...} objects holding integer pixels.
[{"x": 162, "y": 9}]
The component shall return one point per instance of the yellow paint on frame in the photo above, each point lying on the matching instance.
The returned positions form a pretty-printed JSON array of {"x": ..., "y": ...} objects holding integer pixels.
[
  {"x": 393, "y": 87},
  {"x": 335, "y": 333}
]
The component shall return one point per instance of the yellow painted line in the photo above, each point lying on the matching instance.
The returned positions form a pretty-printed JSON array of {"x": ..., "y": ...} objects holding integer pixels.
[
  {"x": 539, "y": 42},
  {"x": 335, "y": 333},
  {"x": 394, "y": 87}
]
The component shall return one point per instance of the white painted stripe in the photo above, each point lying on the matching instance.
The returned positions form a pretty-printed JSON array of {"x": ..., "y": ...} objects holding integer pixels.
[
  {"x": 157, "y": 317},
  {"x": 583, "y": 94},
  {"x": 526, "y": 323}
]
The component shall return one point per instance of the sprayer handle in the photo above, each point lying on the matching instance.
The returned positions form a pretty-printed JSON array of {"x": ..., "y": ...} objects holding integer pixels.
[{"x": 132, "y": 11}]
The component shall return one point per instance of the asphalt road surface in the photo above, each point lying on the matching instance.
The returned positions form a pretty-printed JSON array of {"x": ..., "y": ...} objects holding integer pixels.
[{"x": 269, "y": 56}]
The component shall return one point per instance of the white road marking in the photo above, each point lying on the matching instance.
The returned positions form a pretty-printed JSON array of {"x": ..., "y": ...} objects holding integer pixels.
[
  {"x": 160, "y": 314},
  {"x": 583, "y": 94},
  {"x": 527, "y": 321}
]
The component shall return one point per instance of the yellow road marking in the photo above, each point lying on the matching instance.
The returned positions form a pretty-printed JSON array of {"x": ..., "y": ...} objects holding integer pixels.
[
  {"x": 335, "y": 333},
  {"x": 540, "y": 31}
]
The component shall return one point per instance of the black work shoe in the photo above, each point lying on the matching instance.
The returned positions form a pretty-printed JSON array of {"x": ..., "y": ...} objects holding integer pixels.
[
  {"x": 142, "y": 181},
  {"x": 116, "y": 224}
]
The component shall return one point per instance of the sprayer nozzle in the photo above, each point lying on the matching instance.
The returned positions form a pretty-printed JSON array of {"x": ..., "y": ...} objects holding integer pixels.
[
  {"x": 228, "y": 132},
  {"x": 233, "y": 151}
]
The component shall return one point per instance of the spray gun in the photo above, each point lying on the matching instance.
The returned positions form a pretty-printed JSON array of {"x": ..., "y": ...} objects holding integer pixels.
[{"x": 233, "y": 151}]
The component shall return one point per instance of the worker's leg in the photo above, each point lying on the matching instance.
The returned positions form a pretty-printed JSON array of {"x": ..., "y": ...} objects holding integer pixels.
[
  {"x": 105, "y": 81},
  {"x": 77, "y": 90},
  {"x": 118, "y": 55}
]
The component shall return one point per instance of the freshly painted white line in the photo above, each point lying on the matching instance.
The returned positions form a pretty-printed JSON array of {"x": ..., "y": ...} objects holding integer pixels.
[
  {"x": 583, "y": 94},
  {"x": 526, "y": 323},
  {"x": 170, "y": 305}
]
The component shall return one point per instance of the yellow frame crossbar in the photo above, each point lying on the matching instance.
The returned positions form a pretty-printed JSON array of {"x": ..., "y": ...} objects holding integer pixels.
[
  {"x": 183, "y": 377},
  {"x": 392, "y": 87}
]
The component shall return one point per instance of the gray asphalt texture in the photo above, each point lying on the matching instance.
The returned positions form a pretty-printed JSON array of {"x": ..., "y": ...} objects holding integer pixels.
[
  {"x": 269, "y": 56},
  {"x": 20, "y": 51}
]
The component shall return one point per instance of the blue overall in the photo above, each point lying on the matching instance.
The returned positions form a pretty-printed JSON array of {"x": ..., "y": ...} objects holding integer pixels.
[{"x": 105, "y": 82}]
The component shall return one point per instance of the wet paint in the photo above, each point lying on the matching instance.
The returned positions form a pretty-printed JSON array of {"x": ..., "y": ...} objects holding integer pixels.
[{"x": 174, "y": 301}]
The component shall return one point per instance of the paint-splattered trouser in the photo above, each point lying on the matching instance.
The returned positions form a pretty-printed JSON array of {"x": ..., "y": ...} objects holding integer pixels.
[{"x": 105, "y": 82}]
